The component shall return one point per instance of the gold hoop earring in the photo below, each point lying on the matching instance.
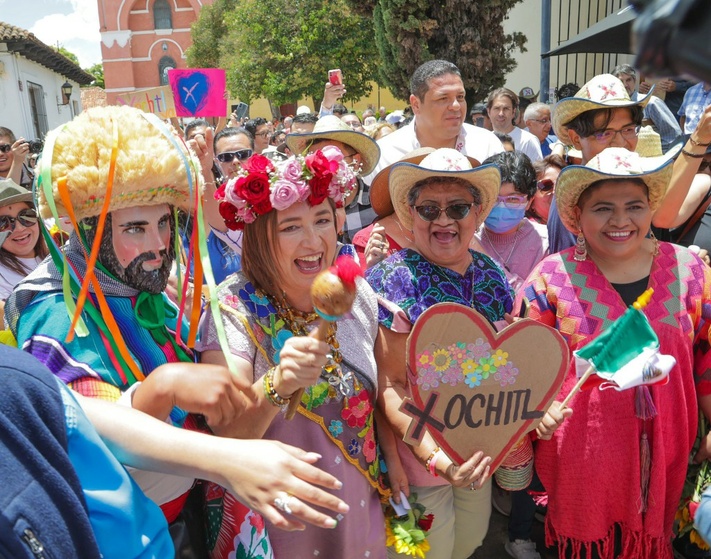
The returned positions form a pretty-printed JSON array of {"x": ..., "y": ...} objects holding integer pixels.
[
  {"x": 655, "y": 250},
  {"x": 581, "y": 249}
]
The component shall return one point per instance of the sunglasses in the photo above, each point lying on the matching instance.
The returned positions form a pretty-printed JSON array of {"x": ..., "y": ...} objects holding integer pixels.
[
  {"x": 455, "y": 211},
  {"x": 4, "y": 148},
  {"x": 26, "y": 217},
  {"x": 228, "y": 156},
  {"x": 545, "y": 185}
]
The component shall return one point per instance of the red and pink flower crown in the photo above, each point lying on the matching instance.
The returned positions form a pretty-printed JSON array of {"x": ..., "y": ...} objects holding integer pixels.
[{"x": 262, "y": 187}]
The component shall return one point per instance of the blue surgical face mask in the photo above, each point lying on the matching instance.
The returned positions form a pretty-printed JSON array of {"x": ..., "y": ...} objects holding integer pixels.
[{"x": 502, "y": 219}]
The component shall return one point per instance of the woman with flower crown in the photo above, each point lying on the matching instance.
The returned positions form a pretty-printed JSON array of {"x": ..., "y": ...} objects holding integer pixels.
[{"x": 288, "y": 215}]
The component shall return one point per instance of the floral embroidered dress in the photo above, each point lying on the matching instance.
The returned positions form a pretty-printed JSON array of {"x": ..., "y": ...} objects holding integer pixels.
[
  {"x": 335, "y": 419},
  {"x": 408, "y": 284},
  {"x": 591, "y": 467}
]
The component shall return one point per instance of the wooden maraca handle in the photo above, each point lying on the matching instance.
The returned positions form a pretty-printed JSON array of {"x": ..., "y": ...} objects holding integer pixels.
[{"x": 320, "y": 333}]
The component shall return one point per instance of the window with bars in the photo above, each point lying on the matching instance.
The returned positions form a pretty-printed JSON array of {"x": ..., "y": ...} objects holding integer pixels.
[{"x": 38, "y": 109}]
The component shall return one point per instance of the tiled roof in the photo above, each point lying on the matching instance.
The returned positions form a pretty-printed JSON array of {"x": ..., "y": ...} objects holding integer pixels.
[{"x": 26, "y": 44}]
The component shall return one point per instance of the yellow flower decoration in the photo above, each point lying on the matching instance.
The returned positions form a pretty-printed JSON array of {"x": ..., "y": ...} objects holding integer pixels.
[
  {"x": 441, "y": 360},
  {"x": 425, "y": 359},
  {"x": 469, "y": 366},
  {"x": 500, "y": 358}
]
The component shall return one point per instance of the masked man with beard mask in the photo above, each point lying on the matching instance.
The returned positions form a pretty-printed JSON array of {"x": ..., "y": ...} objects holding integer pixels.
[{"x": 128, "y": 350}]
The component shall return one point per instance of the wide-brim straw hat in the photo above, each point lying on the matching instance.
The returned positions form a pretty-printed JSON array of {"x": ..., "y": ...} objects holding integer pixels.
[
  {"x": 448, "y": 164},
  {"x": 12, "y": 193},
  {"x": 611, "y": 163},
  {"x": 379, "y": 191},
  {"x": 331, "y": 127},
  {"x": 604, "y": 91}
]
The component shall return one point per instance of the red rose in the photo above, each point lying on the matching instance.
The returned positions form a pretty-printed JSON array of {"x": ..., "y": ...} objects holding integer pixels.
[
  {"x": 258, "y": 164},
  {"x": 220, "y": 191},
  {"x": 254, "y": 188},
  {"x": 319, "y": 189},
  {"x": 229, "y": 214},
  {"x": 425, "y": 522},
  {"x": 319, "y": 164},
  {"x": 263, "y": 206}
]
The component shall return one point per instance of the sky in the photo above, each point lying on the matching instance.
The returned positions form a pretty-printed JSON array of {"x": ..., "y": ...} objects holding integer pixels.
[{"x": 74, "y": 24}]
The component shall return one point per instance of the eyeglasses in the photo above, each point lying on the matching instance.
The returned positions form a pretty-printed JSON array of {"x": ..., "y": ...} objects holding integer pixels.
[
  {"x": 4, "y": 148},
  {"x": 240, "y": 154},
  {"x": 543, "y": 121},
  {"x": 455, "y": 211},
  {"x": 545, "y": 185},
  {"x": 26, "y": 217},
  {"x": 606, "y": 136},
  {"x": 354, "y": 124},
  {"x": 512, "y": 202},
  {"x": 262, "y": 134}
]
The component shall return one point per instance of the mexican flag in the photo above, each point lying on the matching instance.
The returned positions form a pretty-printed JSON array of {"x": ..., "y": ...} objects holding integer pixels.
[{"x": 627, "y": 353}]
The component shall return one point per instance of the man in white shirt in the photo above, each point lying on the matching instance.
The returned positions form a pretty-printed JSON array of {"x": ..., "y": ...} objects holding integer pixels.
[
  {"x": 437, "y": 98},
  {"x": 502, "y": 106}
]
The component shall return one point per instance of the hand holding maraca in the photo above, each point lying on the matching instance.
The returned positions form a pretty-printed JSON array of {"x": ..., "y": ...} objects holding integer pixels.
[{"x": 332, "y": 295}]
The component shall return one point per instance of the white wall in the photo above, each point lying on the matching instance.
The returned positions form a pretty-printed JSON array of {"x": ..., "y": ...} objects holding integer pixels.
[
  {"x": 15, "y": 110},
  {"x": 525, "y": 18}
]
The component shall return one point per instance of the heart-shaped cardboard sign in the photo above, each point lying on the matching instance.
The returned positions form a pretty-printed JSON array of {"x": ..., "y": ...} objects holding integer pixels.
[
  {"x": 475, "y": 389},
  {"x": 194, "y": 90}
]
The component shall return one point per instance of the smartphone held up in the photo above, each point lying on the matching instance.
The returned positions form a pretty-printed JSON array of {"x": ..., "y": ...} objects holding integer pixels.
[{"x": 335, "y": 77}]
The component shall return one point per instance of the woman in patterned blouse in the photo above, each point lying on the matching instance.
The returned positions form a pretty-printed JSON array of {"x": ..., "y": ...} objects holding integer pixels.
[{"x": 443, "y": 201}]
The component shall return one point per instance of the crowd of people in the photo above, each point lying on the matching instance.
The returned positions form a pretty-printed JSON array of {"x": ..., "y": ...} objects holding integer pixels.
[{"x": 175, "y": 390}]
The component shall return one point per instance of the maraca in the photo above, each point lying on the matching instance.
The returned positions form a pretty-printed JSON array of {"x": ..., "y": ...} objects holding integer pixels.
[{"x": 332, "y": 294}]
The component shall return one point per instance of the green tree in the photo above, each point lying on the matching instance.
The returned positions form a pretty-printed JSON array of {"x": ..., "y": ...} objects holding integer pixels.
[
  {"x": 97, "y": 70},
  {"x": 469, "y": 34},
  {"x": 283, "y": 49},
  {"x": 207, "y": 32},
  {"x": 70, "y": 55}
]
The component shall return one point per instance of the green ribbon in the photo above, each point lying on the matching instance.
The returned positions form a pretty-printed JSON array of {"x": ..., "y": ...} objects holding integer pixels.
[{"x": 151, "y": 311}]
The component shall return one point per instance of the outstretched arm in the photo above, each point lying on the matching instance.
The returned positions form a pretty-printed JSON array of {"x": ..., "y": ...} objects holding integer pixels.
[{"x": 257, "y": 472}]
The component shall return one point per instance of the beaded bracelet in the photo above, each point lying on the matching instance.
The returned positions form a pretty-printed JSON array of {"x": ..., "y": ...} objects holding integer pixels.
[
  {"x": 699, "y": 144},
  {"x": 271, "y": 393},
  {"x": 431, "y": 461},
  {"x": 694, "y": 155}
]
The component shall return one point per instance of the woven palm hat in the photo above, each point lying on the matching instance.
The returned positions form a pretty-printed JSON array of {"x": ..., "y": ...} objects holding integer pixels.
[
  {"x": 604, "y": 91},
  {"x": 153, "y": 165},
  {"x": 611, "y": 163},
  {"x": 12, "y": 193},
  {"x": 379, "y": 191},
  {"x": 445, "y": 163},
  {"x": 331, "y": 127}
]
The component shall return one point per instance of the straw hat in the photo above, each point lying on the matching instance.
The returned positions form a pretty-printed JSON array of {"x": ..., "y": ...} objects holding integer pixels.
[
  {"x": 611, "y": 163},
  {"x": 11, "y": 193},
  {"x": 445, "y": 163},
  {"x": 331, "y": 127},
  {"x": 604, "y": 91},
  {"x": 379, "y": 192}
]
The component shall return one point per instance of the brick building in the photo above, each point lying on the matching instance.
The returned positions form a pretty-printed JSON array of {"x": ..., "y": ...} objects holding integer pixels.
[{"x": 142, "y": 39}]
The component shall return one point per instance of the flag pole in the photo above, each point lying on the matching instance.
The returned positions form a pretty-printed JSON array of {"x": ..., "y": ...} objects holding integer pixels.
[{"x": 639, "y": 304}]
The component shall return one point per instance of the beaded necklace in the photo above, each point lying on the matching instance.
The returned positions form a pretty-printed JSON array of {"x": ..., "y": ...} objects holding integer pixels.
[{"x": 297, "y": 321}]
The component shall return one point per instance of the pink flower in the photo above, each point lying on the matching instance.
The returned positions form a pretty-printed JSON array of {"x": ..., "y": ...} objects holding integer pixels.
[
  {"x": 257, "y": 522},
  {"x": 284, "y": 193},
  {"x": 292, "y": 170},
  {"x": 358, "y": 410},
  {"x": 333, "y": 153}
]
